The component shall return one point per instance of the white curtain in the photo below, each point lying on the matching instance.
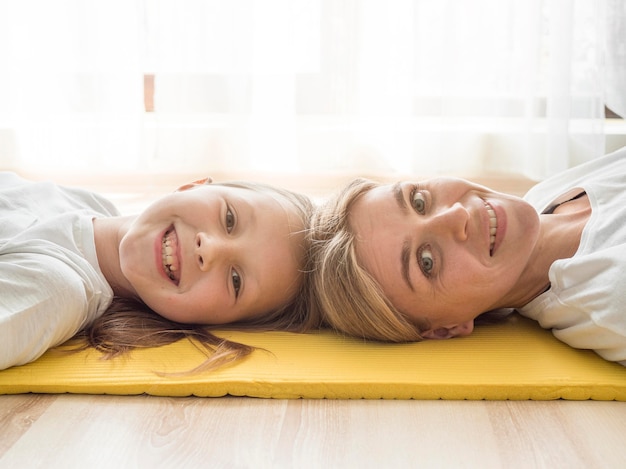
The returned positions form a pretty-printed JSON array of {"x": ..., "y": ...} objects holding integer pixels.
[
  {"x": 306, "y": 86},
  {"x": 616, "y": 56},
  {"x": 70, "y": 85}
]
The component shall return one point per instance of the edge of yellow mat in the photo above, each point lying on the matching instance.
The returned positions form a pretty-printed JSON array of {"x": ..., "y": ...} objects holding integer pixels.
[{"x": 516, "y": 360}]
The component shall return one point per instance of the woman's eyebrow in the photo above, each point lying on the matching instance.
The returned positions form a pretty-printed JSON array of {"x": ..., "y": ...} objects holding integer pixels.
[
  {"x": 405, "y": 253},
  {"x": 405, "y": 258}
]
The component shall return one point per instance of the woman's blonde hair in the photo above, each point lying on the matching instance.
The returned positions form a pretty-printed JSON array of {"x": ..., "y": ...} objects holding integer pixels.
[
  {"x": 129, "y": 324},
  {"x": 342, "y": 292}
]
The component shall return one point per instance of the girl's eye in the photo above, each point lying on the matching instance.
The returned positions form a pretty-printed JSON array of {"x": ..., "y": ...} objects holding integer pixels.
[
  {"x": 230, "y": 220},
  {"x": 426, "y": 261},
  {"x": 236, "y": 279},
  {"x": 418, "y": 201}
]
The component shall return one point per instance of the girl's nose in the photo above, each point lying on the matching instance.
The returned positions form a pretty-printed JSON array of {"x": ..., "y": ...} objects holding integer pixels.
[{"x": 206, "y": 250}]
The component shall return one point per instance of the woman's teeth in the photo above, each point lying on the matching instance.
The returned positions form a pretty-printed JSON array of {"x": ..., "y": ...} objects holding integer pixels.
[
  {"x": 168, "y": 254},
  {"x": 493, "y": 226}
]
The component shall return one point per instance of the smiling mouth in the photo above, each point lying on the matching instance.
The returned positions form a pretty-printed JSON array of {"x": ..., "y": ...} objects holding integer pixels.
[
  {"x": 169, "y": 245},
  {"x": 493, "y": 227}
]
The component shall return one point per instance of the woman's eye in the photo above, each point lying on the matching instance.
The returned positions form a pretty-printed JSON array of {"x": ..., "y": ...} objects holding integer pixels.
[
  {"x": 418, "y": 201},
  {"x": 236, "y": 279},
  {"x": 230, "y": 220},
  {"x": 426, "y": 261}
]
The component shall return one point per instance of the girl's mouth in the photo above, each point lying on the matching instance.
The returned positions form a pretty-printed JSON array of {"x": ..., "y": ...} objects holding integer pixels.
[{"x": 169, "y": 250}]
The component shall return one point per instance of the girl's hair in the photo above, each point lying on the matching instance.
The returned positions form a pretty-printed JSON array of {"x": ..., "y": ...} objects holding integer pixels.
[
  {"x": 342, "y": 292},
  {"x": 128, "y": 324}
]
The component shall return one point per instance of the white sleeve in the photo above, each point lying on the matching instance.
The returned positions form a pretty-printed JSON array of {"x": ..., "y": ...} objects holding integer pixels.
[{"x": 42, "y": 304}]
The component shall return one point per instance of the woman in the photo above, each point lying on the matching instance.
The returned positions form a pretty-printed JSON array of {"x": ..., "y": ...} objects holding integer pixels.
[
  {"x": 221, "y": 255},
  {"x": 412, "y": 261}
]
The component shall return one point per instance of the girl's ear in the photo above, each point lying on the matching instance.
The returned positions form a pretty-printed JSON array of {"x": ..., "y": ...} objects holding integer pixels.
[{"x": 199, "y": 182}]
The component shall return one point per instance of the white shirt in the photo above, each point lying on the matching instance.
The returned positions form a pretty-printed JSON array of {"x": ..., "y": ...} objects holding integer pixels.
[
  {"x": 50, "y": 283},
  {"x": 586, "y": 304}
]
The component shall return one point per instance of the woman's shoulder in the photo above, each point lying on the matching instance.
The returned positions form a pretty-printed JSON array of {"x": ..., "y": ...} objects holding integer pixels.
[
  {"x": 609, "y": 169},
  {"x": 584, "y": 306}
]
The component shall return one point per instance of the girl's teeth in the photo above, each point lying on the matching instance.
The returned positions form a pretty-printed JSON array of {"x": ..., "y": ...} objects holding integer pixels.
[{"x": 167, "y": 255}]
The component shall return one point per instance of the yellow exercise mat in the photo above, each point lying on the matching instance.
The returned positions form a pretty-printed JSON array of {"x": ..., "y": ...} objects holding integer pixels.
[{"x": 514, "y": 360}]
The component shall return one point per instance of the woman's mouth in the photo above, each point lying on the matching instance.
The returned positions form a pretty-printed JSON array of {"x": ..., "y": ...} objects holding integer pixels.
[
  {"x": 493, "y": 227},
  {"x": 169, "y": 254}
]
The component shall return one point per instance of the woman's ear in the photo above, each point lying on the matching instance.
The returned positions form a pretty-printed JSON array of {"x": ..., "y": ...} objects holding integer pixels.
[
  {"x": 458, "y": 330},
  {"x": 199, "y": 182},
  {"x": 437, "y": 334}
]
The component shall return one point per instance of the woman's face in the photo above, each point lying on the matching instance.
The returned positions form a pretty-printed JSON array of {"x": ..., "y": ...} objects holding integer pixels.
[
  {"x": 445, "y": 250},
  {"x": 213, "y": 254}
]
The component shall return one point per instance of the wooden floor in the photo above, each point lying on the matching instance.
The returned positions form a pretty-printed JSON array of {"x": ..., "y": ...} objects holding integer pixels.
[{"x": 70, "y": 431}]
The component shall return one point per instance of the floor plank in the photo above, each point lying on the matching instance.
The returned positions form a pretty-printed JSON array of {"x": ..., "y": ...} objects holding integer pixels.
[
  {"x": 18, "y": 413},
  {"x": 145, "y": 431}
]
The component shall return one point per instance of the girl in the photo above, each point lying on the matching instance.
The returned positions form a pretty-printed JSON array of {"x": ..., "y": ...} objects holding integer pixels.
[
  {"x": 410, "y": 261},
  {"x": 222, "y": 255}
]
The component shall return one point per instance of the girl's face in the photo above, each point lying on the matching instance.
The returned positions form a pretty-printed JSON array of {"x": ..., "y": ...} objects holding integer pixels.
[
  {"x": 212, "y": 254},
  {"x": 444, "y": 251}
]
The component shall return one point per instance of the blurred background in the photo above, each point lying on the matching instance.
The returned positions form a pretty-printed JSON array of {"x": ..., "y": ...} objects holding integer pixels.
[{"x": 305, "y": 90}]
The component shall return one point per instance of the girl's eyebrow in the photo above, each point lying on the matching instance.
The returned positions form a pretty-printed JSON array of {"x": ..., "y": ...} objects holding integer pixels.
[
  {"x": 252, "y": 215},
  {"x": 399, "y": 196},
  {"x": 245, "y": 208}
]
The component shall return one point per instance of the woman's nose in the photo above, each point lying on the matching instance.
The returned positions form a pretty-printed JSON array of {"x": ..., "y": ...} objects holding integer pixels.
[{"x": 452, "y": 220}]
